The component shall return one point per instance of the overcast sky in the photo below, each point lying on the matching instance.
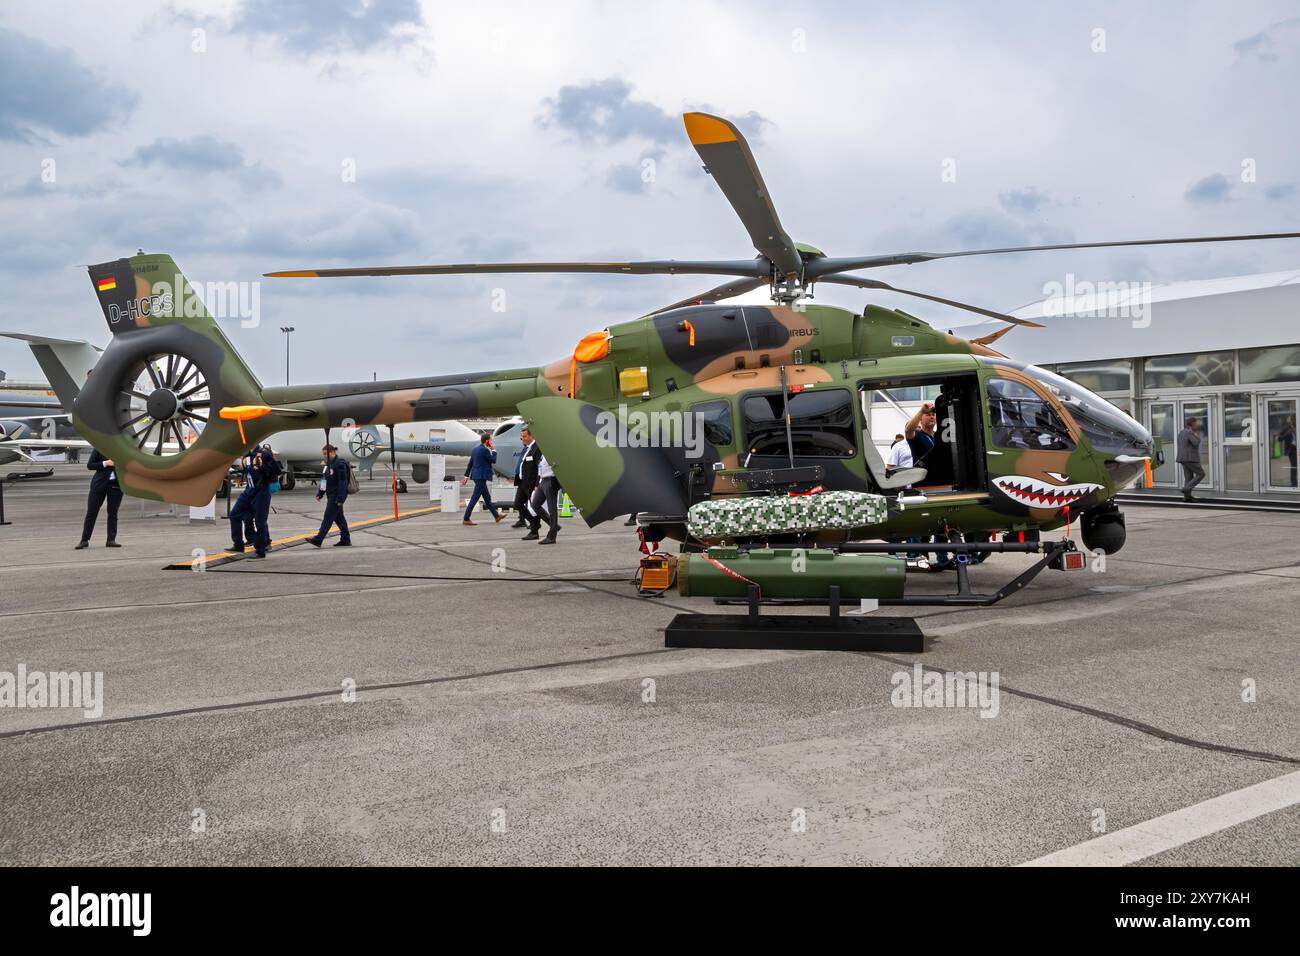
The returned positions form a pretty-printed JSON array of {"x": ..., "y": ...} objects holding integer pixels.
[{"x": 521, "y": 130}]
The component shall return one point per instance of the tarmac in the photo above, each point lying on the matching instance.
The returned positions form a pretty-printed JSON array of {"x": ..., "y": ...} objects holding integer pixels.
[{"x": 441, "y": 694}]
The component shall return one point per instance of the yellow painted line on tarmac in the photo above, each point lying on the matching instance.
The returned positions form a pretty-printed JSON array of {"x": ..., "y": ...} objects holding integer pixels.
[{"x": 279, "y": 544}]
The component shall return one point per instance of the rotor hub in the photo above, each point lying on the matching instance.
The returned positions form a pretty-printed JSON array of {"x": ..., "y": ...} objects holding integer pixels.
[{"x": 163, "y": 405}]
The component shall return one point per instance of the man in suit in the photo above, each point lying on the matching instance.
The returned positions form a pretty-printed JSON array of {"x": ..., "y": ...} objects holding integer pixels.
[
  {"x": 479, "y": 471},
  {"x": 103, "y": 485},
  {"x": 545, "y": 497},
  {"x": 335, "y": 475},
  {"x": 525, "y": 477},
  {"x": 1189, "y": 456}
]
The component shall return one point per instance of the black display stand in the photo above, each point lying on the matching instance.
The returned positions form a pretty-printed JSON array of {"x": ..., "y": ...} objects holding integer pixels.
[{"x": 795, "y": 632}]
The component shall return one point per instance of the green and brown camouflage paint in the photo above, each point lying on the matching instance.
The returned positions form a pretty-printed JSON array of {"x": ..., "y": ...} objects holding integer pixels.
[{"x": 690, "y": 355}]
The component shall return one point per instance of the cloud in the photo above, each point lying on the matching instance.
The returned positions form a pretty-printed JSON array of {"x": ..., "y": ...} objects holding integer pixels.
[
  {"x": 635, "y": 178},
  {"x": 1213, "y": 188},
  {"x": 1264, "y": 46},
  {"x": 604, "y": 111},
  {"x": 983, "y": 229},
  {"x": 366, "y": 232},
  {"x": 1023, "y": 201},
  {"x": 1280, "y": 191},
  {"x": 314, "y": 26},
  {"x": 47, "y": 88},
  {"x": 204, "y": 154}
]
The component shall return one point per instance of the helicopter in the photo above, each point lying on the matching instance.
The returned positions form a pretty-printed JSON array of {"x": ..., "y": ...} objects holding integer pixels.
[{"x": 698, "y": 401}]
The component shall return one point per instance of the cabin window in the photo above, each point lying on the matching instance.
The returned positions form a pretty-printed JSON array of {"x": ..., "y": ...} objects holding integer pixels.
[
  {"x": 1020, "y": 418},
  {"x": 821, "y": 424},
  {"x": 715, "y": 419}
]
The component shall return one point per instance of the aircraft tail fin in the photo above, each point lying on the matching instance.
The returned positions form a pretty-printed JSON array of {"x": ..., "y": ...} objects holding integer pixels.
[
  {"x": 65, "y": 362},
  {"x": 170, "y": 400}
]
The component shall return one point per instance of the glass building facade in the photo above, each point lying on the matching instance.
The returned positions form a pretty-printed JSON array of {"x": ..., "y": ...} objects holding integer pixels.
[{"x": 1246, "y": 402}]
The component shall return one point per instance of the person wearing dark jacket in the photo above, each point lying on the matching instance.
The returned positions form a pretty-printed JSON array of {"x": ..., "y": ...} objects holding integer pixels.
[
  {"x": 479, "y": 471},
  {"x": 243, "y": 526},
  {"x": 525, "y": 477},
  {"x": 268, "y": 475},
  {"x": 334, "y": 489},
  {"x": 1189, "y": 456},
  {"x": 103, "y": 486},
  {"x": 545, "y": 503}
]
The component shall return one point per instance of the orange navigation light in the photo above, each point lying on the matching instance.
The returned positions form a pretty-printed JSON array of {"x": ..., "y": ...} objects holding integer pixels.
[
  {"x": 592, "y": 348},
  {"x": 244, "y": 413}
]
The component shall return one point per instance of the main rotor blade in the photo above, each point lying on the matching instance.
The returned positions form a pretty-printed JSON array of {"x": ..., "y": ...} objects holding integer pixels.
[
  {"x": 874, "y": 284},
  {"x": 725, "y": 291},
  {"x": 720, "y": 267},
  {"x": 828, "y": 266},
  {"x": 728, "y": 159}
]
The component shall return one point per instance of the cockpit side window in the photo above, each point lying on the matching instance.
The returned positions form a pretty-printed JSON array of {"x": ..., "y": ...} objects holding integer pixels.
[{"x": 1020, "y": 418}]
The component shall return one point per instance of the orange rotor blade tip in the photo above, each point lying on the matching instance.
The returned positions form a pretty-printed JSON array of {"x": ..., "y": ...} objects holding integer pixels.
[{"x": 704, "y": 129}]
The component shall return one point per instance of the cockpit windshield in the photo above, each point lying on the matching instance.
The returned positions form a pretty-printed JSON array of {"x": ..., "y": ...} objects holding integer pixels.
[
  {"x": 1021, "y": 418},
  {"x": 1107, "y": 429}
]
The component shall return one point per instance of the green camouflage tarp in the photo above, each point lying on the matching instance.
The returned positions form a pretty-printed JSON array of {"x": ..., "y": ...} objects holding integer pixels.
[{"x": 779, "y": 514}]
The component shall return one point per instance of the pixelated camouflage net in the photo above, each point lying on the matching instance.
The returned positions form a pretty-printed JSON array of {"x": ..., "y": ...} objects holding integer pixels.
[{"x": 778, "y": 514}]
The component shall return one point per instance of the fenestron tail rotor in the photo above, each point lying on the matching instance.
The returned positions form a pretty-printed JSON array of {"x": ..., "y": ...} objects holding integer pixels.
[
  {"x": 163, "y": 404},
  {"x": 788, "y": 268}
]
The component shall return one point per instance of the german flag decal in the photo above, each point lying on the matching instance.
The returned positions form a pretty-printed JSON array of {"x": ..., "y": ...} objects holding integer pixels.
[{"x": 106, "y": 285}]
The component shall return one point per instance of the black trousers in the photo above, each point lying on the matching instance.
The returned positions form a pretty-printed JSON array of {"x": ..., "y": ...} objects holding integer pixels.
[
  {"x": 548, "y": 493},
  {"x": 523, "y": 492},
  {"x": 93, "y": 504}
]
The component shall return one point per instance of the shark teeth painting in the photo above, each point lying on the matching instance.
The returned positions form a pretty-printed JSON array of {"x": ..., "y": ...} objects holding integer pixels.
[{"x": 1041, "y": 494}]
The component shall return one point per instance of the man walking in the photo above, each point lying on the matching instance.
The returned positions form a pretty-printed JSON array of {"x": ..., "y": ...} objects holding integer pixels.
[
  {"x": 103, "y": 486},
  {"x": 547, "y": 496},
  {"x": 1189, "y": 456},
  {"x": 481, "y": 460},
  {"x": 335, "y": 477},
  {"x": 525, "y": 477}
]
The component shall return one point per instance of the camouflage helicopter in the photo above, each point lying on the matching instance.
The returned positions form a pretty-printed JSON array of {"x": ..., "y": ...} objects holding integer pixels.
[{"x": 781, "y": 394}]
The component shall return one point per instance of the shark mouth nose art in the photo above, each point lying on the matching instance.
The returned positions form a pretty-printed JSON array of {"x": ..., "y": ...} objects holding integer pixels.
[{"x": 1041, "y": 494}]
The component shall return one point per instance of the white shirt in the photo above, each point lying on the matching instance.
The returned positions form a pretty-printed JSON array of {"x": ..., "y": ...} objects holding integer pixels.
[
  {"x": 900, "y": 456},
  {"x": 544, "y": 469}
]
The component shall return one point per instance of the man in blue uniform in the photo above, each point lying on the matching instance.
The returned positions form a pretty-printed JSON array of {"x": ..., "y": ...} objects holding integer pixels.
[
  {"x": 334, "y": 489},
  {"x": 249, "y": 518},
  {"x": 242, "y": 527},
  {"x": 268, "y": 475},
  {"x": 103, "y": 486}
]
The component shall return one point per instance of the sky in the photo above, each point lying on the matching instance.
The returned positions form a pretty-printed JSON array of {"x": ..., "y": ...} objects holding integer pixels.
[{"x": 257, "y": 135}]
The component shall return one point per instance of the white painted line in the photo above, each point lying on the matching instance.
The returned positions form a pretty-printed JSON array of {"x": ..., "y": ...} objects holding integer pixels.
[{"x": 1181, "y": 826}]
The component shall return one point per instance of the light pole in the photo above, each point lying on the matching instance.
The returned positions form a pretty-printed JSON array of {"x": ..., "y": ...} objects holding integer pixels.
[{"x": 286, "y": 329}]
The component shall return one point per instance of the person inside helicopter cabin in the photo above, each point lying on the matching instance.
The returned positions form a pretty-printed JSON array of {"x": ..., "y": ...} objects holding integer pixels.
[{"x": 919, "y": 433}]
